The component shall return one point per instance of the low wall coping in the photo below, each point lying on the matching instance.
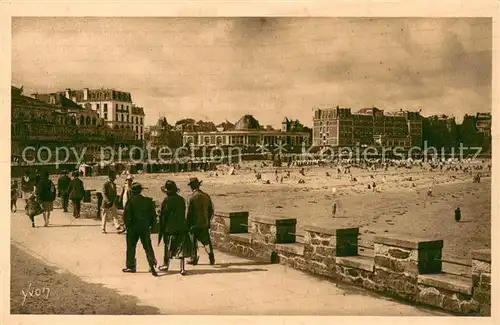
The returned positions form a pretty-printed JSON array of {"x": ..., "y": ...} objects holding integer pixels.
[
  {"x": 243, "y": 238},
  {"x": 358, "y": 262},
  {"x": 409, "y": 242},
  {"x": 448, "y": 282},
  {"x": 481, "y": 255},
  {"x": 331, "y": 231},
  {"x": 231, "y": 214},
  {"x": 272, "y": 220},
  {"x": 295, "y": 248}
]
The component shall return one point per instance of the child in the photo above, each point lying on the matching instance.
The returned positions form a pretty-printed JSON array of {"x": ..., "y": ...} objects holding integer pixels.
[{"x": 14, "y": 194}]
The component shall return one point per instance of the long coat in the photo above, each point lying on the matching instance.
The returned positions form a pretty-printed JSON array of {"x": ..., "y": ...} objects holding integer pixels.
[
  {"x": 200, "y": 210},
  {"x": 139, "y": 213},
  {"x": 76, "y": 189},
  {"x": 172, "y": 216}
]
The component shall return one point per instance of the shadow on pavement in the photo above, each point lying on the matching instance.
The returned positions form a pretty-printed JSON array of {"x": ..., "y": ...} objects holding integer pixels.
[
  {"x": 190, "y": 272},
  {"x": 224, "y": 265}
]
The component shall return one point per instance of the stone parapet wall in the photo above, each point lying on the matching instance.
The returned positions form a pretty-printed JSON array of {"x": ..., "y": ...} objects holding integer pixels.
[{"x": 403, "y": 267}]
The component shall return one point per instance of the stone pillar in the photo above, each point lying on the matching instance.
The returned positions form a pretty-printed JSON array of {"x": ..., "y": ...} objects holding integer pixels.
[
  {"x": 232, "y": 222},
  {"x": 321, "y": 245},
  {"x": 481, "y": 279},
  {"x": 399, "y": 260},
  {"x": 268, "y": 231}
]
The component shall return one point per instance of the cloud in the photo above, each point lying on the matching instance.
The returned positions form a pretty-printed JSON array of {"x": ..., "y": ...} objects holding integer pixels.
[{"x": 269, "y": 67}]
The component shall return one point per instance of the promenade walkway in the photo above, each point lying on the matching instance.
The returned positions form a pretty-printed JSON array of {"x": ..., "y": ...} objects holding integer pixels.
[{"x": 234, "y": 286}]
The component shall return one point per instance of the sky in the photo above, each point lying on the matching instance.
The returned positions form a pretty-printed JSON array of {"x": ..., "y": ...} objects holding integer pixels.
[{"x": 222, "y": 68}]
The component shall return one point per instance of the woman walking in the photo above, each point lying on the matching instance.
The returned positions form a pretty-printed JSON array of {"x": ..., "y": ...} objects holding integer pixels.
[
  {"x": 27, "y": 186},
  {"x": 173, "y": 227},
  {"x": 46, "y": 194}
]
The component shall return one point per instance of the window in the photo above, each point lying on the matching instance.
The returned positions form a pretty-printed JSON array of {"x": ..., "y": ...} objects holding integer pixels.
[
  {"x": 127, "y": 108},
  {"x": 122, "y": 117},
  {"x": 97, "y": 106},
  {"x": 122, "y": 106},
  {"x": 105, "y": 108},
  {"x": 136, "y": 129},
  {"x": 141, "y": 129},
  {"x": 127, "y": 119},
  {"x": 141, "y": 120},
  {"x": 137, "y": 120},
  {"x": 116, "y": 106}
]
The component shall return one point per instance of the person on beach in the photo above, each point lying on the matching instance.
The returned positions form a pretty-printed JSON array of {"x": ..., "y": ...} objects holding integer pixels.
[
  {"x": 27, "y": 186},
  {"x": 139, "y": 216},
  {"x": 14, "y": 193},
  {"x": 173, "y": 227},
  {"x": 76, "y": 192},
  {"x": 199, "y": 216},
  {"x": 109, "y": 204},
  {"x": 62, "y": 189},
  {"x": 46, "y": 194}
]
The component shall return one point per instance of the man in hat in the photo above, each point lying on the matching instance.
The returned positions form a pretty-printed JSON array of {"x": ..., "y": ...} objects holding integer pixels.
[
  {"x": 139, "y": 216},
  {"x": 62, "y": 189},
  {"x": 199, "y": 215},
  {"x": 76, "y": 192},
  {"x": 109, "y": 204}
]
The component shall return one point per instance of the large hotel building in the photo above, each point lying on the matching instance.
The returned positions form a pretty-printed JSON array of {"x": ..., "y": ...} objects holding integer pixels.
[
  {"x": 53, "y": 121},
  {"x": 114, "y": 107},
  {"x": 369, "y": 126}
]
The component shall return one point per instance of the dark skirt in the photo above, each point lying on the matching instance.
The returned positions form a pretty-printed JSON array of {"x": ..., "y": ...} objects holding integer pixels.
[{"x": 178, "y": 245}]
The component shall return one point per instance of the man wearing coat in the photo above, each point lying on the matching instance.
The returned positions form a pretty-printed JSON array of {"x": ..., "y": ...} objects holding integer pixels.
[
  {"x": 109, "y": 204},
  {"x": 62, "y": 189},
  {"x": 139, "y": 216},
  {"x": 76, "y": 192},
  {"x": 199, "y": 215}
]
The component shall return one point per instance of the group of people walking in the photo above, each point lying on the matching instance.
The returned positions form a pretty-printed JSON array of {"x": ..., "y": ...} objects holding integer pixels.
[
  {"x": 181, "y": 226},
  {"x": 39, "y": 193}
]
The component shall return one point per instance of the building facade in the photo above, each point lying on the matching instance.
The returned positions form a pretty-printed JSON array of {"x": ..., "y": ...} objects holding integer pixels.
[
  {"x": 369, "y": 126},
  {"x": 245, "y": 133},
  {"x": 483, "y": 123},
  {"x": 163, "y": 134},
  {"x": 114, "y": 107},
  {"x": 53, "y": 121}
]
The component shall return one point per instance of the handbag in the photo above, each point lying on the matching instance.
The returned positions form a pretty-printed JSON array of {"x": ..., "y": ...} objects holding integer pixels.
[{"x": 34, "y": 208}]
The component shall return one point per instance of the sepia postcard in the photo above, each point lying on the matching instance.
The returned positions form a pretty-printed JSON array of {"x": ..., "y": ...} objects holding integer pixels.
[{"x": 250, "y": 162}]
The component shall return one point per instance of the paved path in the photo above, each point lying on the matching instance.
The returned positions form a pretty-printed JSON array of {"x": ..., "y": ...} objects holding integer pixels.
[{"x": 235, "y": 286}]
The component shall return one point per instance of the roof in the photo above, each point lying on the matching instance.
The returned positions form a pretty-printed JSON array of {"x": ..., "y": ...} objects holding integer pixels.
[
  {"x": 226, "y": 126},
  {"x": 58, "y": 100},
  {"x": 136, "y": 110},
  {"x": 19, "y": 99},
  {"x": 247, "y": 122},
  {"x": 98, "y": 94}
]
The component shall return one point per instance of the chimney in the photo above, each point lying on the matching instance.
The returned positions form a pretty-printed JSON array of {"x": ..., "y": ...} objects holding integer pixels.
[
  {"x": 67, "y": 94},
  {"x": 85, "y": 94}
]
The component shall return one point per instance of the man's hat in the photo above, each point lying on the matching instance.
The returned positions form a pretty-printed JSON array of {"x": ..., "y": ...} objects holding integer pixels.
[
  {"x": 136, "y": 187},
  {"x": 170, "y": 187},
  {"x": 129, "y": 176},
  {"x": 194, "y": 181}
]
